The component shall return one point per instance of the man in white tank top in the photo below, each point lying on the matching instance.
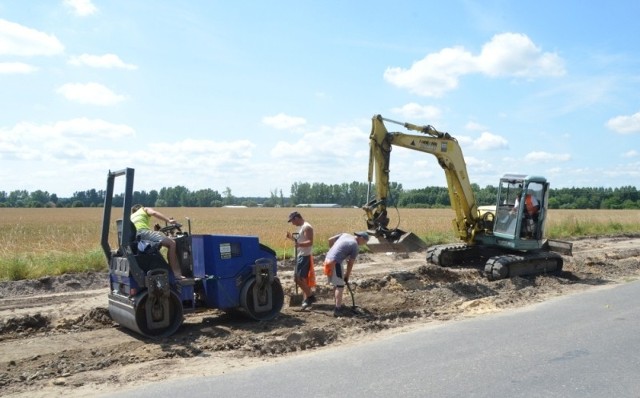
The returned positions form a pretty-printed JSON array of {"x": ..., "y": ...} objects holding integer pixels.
[{"x": 304, "y": 261}]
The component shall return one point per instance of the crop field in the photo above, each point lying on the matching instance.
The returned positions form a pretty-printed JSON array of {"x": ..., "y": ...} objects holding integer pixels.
[{"x": 36, "y": 242}]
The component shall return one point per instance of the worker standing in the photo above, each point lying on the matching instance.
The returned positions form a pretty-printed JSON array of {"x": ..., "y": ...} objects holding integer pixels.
[
  {"x": 342, "y": 247},
  {"x": 304, "y": 274}
]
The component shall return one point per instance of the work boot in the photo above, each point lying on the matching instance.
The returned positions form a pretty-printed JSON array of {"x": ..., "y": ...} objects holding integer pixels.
[
  {"x": 308, "y": 301},
  {"x": 339, "y": 312}
]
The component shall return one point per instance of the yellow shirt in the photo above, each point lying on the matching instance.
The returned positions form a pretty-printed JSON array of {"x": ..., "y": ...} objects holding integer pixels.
[{"x": 141, "y": 219}]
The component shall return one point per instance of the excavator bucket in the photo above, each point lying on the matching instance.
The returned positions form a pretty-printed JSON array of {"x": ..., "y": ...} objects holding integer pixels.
[{"x": 399, "y": 242}]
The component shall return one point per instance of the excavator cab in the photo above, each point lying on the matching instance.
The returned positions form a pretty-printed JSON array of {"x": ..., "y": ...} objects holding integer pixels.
[{"x": 521, "y": 210}]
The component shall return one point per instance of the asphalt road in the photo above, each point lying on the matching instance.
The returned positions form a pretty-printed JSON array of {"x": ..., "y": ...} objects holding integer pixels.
[{"x": 583, "y": 345}]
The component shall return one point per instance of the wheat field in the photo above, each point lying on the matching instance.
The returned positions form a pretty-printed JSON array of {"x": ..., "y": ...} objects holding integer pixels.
[{"x": 72, "y": 230}]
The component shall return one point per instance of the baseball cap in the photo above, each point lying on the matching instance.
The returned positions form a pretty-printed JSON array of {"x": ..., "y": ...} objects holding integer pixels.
[
  {"x": 363, "y": 234},
  {"x": 293, "y": 215}
]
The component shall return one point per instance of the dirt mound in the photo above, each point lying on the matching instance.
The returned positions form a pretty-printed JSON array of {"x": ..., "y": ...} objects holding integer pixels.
[
  {"x": 96, "y": 318},
  {"x": 54, "y": 284},
  {"x": 21, "y": 325}
]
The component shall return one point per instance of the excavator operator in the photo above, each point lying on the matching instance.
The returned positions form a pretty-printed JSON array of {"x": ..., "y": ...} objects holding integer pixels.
[{"x": 530, "y": 214}]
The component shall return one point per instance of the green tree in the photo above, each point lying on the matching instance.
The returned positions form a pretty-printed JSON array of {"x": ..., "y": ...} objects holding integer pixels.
[
  {"x": 227, "y": 197},
  {"x": 39, "y": 198},
  {"x": 205, "y": 197},
  {"x": 18, "y": 198},
  {"x": 174, "y": 196}
]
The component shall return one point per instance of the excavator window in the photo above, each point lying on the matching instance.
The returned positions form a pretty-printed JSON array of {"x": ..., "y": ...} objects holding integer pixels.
[{"x": 506, "y": 218}]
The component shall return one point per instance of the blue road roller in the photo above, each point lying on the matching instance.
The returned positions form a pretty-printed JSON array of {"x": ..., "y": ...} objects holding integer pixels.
[{"x": 226, "y": 272}]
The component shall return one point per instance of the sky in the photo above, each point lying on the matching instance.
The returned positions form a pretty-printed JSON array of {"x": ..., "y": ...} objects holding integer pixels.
[{"x": 254, "y": 96}]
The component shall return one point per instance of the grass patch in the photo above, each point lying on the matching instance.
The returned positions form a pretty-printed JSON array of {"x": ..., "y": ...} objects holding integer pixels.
[
  {"x": 575, "y": 227},
  {"x": 34, "y": 265},
  {"x": 438, "y": 238}
]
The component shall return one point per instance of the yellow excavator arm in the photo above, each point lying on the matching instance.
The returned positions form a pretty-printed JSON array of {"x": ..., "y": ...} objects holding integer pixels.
[{"x": 449, "y": 155}]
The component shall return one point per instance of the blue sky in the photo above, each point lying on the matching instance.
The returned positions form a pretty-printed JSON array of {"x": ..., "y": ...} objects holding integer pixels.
[{"x": 257, "y": 95}]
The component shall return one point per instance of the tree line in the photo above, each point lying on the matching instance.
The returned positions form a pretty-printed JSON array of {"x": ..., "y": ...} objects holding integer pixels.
[{"x": 345, "y": 195}]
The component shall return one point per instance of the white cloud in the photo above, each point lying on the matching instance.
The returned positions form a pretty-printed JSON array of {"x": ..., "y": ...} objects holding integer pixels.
[
  {"x": 477, "y": 166},
  {"x": 507, "y": 54},
  {"x": 488, "y": 141},
  {"x": 546, "y": 157},
  {"x": 92, "y": 151},
  {"x": 73, "y": 129},
  {"x": 435, "y": 74},
  {"x": 93, "y": 128},
  {"x": 464, "y": 140},
  {"x": 59, "y": 141},
  {"x": 81, "y": 8},
  {"x": 200, "y": 155},
  {"x": 630, "y": 154},
  {"x": 80, "y": 149},
  {"x": 19, "y": 40},
  {"x": 323, "y": 160},
  {"x": 416, "y": 111},
  {"x": 554, "y": 170},
  {"x": 282, "y": 121},
  {"x": 474, "y": 126},
  {"x": 100, "y": 61},
  {"x": 16, "y": 67},
  {"x": 629, "y": 172},
  {"x": 514, "y": 54},
  {"x": 208, "y": 148},
  {"x": 89, "y": 93},
  {"x": 625, "y": 124},
  {"x": 321, "y": 144}
]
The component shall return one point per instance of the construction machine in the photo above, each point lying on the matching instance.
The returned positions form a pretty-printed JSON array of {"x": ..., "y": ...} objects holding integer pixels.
[
  {"x": 503, "y": 238},
  {"x": 227, "y": 272}
]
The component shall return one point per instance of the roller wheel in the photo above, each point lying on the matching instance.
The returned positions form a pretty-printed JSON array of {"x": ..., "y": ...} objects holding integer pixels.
[
  {"x": 262, "y": 303},
  {"x": 155, "y": 319}
]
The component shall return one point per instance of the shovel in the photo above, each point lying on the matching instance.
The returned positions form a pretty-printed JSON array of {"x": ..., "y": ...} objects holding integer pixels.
[
  {"x": 295, "y": 299},
  {"x": 357, "y": 311}
]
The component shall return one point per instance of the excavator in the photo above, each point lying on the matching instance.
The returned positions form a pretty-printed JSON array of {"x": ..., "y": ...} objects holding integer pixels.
[{"x": 504, "y": 238}]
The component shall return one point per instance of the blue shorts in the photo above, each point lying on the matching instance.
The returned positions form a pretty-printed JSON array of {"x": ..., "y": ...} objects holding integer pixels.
[{"x": 302, "y": 267}]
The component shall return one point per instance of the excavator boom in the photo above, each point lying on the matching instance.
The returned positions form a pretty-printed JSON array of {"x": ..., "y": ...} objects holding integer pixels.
[{"x": 449, "y": 155}]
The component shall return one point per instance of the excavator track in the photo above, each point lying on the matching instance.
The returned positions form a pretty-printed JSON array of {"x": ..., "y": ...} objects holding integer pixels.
[
  {"x": 460, "y": 255},
  {"x": 529, "y": 263},
  {"x": 497, "y": 263}
]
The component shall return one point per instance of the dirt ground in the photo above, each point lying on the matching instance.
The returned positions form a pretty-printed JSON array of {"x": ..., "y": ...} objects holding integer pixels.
[{"x": 57, "y": 339}]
